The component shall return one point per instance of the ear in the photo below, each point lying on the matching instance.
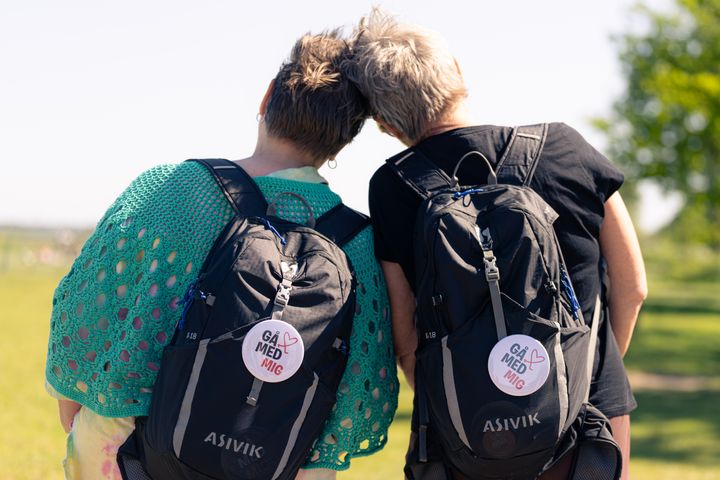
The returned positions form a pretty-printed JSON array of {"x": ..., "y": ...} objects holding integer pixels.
[
  {"x": 387, "y": 129},
  {"x": 266, "y": 97},
  {"x": 393, "y": 132}
]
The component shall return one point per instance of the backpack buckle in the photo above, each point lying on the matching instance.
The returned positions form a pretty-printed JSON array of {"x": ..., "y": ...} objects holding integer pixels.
[
  {"x": 491, "y": 270},
  {"x": 283, "y": 295}
]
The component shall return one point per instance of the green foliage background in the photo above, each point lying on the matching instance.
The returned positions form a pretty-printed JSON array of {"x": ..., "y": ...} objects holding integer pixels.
[{"x": 666, "y": 126}]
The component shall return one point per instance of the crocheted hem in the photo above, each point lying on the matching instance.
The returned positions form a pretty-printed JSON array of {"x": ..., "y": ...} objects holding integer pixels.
[
  {"x": 75, "y": 396},
  {"x": 346, "y": 464}
]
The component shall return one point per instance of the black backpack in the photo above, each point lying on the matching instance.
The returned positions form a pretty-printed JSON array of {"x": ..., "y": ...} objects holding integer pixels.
[
  {"x": 251, "y": 374},
  {"x": 504, "y": 359}
]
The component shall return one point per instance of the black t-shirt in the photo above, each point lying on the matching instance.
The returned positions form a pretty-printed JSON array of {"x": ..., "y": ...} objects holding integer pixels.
[{"x": 571, "y": 176}]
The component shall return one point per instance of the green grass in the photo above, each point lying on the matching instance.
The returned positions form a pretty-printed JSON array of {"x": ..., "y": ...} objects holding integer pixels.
[
  {"x": 667, "y": 259},
  {"x": 678, "y": 332},
  {"x": 675, "y": 434},
  {"x": 31, "y": 440}
]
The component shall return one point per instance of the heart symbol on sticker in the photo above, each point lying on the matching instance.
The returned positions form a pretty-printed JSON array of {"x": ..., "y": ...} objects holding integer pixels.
[
  {"x": 535, "y": 357},
  {"x": 288, "y": 341}
]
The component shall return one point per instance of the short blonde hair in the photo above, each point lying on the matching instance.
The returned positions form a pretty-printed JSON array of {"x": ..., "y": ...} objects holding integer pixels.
[
  {"x": 313, "y": 104},
  {"x": 406, "y": 72}
]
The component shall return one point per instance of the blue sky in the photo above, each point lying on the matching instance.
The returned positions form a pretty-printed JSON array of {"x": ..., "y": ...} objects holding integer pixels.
[{"x": 94, "y": 92}]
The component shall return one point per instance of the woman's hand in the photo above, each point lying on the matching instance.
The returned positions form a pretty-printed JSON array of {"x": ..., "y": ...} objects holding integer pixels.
[{"x": 67, "y": 409}]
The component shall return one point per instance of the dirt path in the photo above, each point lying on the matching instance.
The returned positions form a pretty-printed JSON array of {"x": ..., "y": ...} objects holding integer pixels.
[{"x": 677, "y": 383}]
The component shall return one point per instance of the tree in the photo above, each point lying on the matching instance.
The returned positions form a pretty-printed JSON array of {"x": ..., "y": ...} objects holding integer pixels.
[{"x": 666, "y": 126}]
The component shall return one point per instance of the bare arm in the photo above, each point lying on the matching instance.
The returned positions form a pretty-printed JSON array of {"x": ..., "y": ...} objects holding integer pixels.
[
  {"x": 626, "y": 270},
  {"x": 67, "y": 409},
  {"x": 402, "y": 309}
]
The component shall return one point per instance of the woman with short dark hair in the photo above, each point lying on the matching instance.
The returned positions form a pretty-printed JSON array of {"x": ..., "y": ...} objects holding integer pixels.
[{"x": 118, "y": 306}]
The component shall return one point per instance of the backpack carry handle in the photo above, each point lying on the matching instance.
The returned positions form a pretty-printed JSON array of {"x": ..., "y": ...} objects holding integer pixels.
[
  {"x": 492, "y": 177},
  {"x": 272, "y": 208}
]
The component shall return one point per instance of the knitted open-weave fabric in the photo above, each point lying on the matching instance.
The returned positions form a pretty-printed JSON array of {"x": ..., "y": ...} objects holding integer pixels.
[{"x": 118, "y": 306}]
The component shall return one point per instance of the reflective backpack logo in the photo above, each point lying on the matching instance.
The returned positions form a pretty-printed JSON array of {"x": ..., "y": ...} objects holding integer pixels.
[
  {"x": 228, "y": 443},
  {"x": 511, "y": 423}
]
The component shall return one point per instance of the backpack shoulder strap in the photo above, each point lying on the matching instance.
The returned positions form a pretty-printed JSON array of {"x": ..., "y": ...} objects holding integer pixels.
[
  {"x": 519, "y": 160},
  {"x": 419, "y": 173},
  {"x": 238, "y": 187},
  {"x": 594, "y": 326},
  {"x": 341, "y": 224}
]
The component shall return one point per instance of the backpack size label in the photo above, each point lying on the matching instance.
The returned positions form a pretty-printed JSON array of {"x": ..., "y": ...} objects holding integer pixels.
[
  {"x": 519, "y": 365},
  {"x": 273, "y": 351}
]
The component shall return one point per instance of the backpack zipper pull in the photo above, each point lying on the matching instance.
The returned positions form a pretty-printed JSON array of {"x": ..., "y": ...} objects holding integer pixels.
[{"x": 551, "y": 288}]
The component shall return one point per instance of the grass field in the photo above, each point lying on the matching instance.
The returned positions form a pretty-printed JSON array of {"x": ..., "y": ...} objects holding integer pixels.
[{"x": 676, "y": 433}]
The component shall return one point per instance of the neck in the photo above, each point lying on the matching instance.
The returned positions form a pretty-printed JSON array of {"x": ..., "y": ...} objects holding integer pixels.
[
  {"x": 458, "y": 117},
  {"x": 273, "y": 154}
]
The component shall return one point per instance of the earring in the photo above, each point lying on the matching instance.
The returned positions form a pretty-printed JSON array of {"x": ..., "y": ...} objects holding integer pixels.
[
  {"x": 332, "y": 164},
  {"x": 259, "y": 117}
]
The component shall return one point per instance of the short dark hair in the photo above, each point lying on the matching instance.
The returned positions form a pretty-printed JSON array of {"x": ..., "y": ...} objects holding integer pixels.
[{"x": 312, "y": 103}]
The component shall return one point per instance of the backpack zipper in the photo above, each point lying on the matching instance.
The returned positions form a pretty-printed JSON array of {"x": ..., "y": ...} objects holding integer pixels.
[
  {"x": 569, "y": 292},
  {"x": 191, "y": 294}
]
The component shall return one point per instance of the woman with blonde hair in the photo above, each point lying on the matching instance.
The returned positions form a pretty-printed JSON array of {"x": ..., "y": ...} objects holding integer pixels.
[{"x": 417, "y": 94}]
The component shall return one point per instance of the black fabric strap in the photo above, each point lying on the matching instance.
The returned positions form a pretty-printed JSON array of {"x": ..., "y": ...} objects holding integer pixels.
[
  {"x": 239, "y": 188},
  {"x": 492, "y": 275},
  {"x": 423, "y": 418},
  {"x": 592, "y": 344},
  {"x": 518, "y": 162},
  {"x": 419, "y": 173},
  {"x": 341, "y": 223}
]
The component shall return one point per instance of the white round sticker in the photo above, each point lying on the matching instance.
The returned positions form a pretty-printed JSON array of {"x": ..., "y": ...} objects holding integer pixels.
[
  {"x": 273, "y": 351},
  {"x": 518, "y": 365}
]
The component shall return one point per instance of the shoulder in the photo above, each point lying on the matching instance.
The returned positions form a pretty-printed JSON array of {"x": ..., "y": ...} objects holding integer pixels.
[
  {"x": 164, "y": 197},
  {"x": 382, "y": 177},
  {"x": 165, "y": 171},
  {"x": 385, "y": 186},
  {"x": 568, "y": 155},
  {"x": 172, "y": 173},
  {"x": 165, "y": 186},
  {"x": 566, "y": 147},
  {"x": 562, "y": 138},
  {"x": 166, "y": 179}
]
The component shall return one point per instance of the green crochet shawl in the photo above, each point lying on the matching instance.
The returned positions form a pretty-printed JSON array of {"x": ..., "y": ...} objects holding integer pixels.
[{"x": 117, "y": 307}]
